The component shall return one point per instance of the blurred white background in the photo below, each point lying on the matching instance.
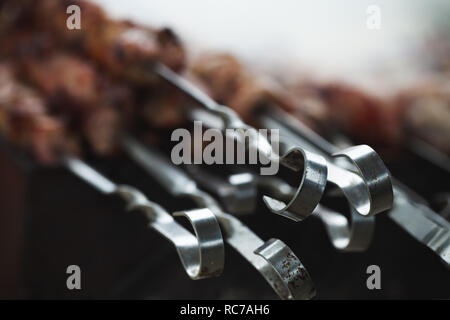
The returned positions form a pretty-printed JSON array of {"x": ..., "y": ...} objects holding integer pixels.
[{"x": 323, "y": 39}]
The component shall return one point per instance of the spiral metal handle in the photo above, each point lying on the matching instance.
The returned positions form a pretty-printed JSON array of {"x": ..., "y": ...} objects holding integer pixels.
[
  {"x": 275, "y": 261},
  {"x": 202, "y": 255}
]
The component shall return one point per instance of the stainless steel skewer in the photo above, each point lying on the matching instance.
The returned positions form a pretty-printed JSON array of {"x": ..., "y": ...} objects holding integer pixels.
[
  {"x": 312, "y": 166},
  {"x": 363, "y": 179},
  {"x": 202, "y": 255},
  {"x": 349, "y": 235},
  {"x": 367, "y": 192},
  {"x": 273, "y": 259},
  {"x": 409, "y": 211}
]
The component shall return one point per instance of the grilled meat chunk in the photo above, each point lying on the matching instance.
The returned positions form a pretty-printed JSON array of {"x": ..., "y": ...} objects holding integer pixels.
[
  {"x": 25, "y": 122},
  {"x": 123, "y": 48}
]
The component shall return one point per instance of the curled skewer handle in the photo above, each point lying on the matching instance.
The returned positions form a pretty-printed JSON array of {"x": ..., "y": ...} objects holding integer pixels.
[
  {"x": 210, "y": 246},
  {"x": 410, "y": 213},
  {"x": 241, "y": 238},
  {"x": 290, "y": 271},
  {"x": 351, "y": 234},
  {"x": 310, "y": 190},
  {"x": 347, "y": 234},
  {"x": 375, "y": 175},
  {"x": 364, "y": 179},
  {"x": 273, "y": 260},
  {"x": 230, "y": 118},
  {"x": 202, "y": 255}
]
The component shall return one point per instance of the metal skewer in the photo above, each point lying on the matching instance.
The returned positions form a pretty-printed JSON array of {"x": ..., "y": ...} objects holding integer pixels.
[
  {"x": 313, "y": 166},
  {"x": 202, "y": 255},
  {"x": 363, "y": 178},
  {"x": 368, "y": 192},
  {"x": 274, "y": 260},
  {"x": 409, "y": 211},
  {"x": 348, "y": 235}
]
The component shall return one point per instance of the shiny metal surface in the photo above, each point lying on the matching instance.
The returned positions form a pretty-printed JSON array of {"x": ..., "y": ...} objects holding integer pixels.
[
  {"x": 409, "y": 211},
  {"x": 310, "y": 190},
  {"x": 375, "y": 176},
  {"x": 363, "y": 178},
  {"x": 266, "y": 257},
  {"x": 294, "y": 273},
  {"x": 422, "y": 223},
  {"x": 346, "y": 234},
  {"x": 351, "y": 235},
  {"x": 229, "y": 117},
  {"x": 202, "y": 255},
  {"x": 359, "y": 175},
  {"x": 238, "y": 194},
  {"x": 313, "y": 166}
]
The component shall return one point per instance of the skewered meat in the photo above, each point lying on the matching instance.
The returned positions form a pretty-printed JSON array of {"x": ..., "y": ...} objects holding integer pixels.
[
  {"x": 65, "y": 75},
  {"x": 23, "y": 119},
  {"x": 418, "y": 112},
  {"x": 94, "y": 105},
  {"x": 70, "y": 82},
  {"x": 365, "y": 118},
  {"x": 361, "y": 116},
  {"x": 121, "y": 47},
  {"x": 76, "y": 91},
  {"x": 77, "y": 99},
  {"x": 228, "y": 82}
]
